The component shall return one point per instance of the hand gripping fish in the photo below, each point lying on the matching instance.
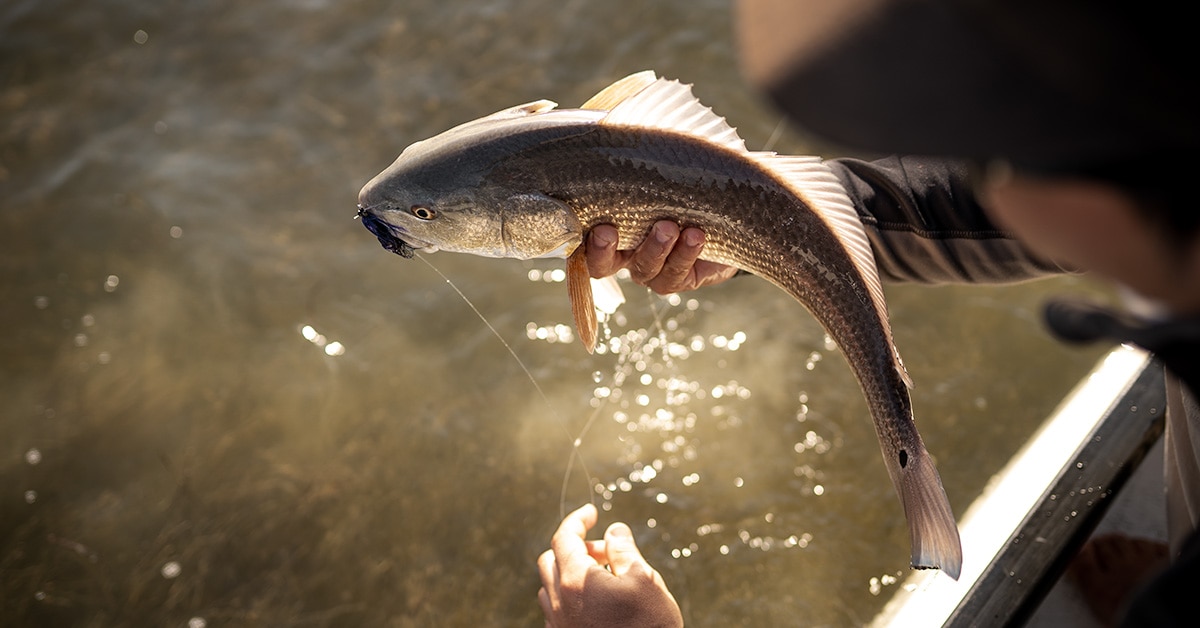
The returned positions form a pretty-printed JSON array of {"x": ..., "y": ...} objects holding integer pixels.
[{"x": 532, "y": 180}]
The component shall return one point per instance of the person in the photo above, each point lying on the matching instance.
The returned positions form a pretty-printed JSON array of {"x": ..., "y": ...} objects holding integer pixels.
[{"x": 1025, "y": 139}]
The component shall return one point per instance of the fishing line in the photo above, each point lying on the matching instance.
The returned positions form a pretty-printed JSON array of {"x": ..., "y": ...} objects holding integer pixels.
[
  {"x": 622, "y": 359},
  {"x": 576, "y": 453},
  {"x": 776, "y": 134}
]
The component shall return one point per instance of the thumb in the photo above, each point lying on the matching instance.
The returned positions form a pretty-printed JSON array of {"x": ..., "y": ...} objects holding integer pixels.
[{"x": 621, "y": 550}]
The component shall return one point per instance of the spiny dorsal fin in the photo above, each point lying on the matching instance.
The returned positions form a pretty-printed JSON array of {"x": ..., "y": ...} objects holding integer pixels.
[
  {"x": 811, "y": 179},
  {"x": 611, "y": 96},
  {"x": 520, "y": 111},
  {"x": 670, "y": 105}
]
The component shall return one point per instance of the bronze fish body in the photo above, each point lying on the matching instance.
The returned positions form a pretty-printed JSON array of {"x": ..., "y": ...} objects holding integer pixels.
[{"x": 531, "y": 180}]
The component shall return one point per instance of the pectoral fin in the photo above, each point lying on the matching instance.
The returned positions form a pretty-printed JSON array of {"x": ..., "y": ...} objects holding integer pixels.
[{"x": 579, "y": 289}]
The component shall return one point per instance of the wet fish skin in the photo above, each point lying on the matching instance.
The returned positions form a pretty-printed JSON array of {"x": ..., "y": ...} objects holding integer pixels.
[{"x": 532, "y": 180}]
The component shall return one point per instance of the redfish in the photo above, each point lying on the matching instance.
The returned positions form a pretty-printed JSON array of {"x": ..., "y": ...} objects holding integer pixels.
[{"x": 533, "y": 179}]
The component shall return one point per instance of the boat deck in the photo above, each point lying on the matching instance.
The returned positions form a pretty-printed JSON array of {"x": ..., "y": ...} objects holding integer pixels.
[{"x": 1077, "y": 475}]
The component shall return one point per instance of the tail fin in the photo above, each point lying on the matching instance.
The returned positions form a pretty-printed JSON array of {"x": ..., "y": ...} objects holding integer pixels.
[{"x": 932, "y": 529}]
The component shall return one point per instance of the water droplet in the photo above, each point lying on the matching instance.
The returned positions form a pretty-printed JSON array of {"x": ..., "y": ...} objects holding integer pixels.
[
  {"x": 33, "y": 456},
  {"x": 41, "y": 303},
  {"x": 30, "y": 497},
  {"x": 141, "y": 37},
  {"x": 176, "y": 231},
  {"x": 597, "y": 376},
  {"x": 171, "y": 570},
  {"x": 197, "y": 622},
  {"x": 111, "y": 283},
  {"x": 335, "y": 348}
]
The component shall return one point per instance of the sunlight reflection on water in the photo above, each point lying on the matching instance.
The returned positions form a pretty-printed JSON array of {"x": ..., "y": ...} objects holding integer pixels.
[
  {"x": 208, "y": 362},
  {"x": 649, "y": 393}
]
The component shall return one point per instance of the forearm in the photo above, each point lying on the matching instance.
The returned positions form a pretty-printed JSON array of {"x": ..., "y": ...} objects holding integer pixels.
[{"x": 926, "y": 226}]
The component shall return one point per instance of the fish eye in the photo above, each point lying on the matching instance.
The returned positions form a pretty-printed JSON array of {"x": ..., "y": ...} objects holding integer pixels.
[{"x": 422, "y": 212}]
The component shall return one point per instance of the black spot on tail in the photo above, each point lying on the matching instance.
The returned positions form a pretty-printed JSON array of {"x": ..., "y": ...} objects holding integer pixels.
[{"x": 903, "y": 459}]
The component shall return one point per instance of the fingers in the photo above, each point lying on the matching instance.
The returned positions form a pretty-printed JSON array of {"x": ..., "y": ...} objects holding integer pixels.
[
  {"x": 621, "y": 550},
  {"x": 597, "y": 552},
  {"x": 667, "y": 260},
  {"x": 650, "y": 256},
  {"x": 569, "y": 557},
  {"x": 548, "y": 595},
  {"x": 568, "y": 541},
  {"x": 548, "y": 606},
  {"x": 603, "y": 258},
  {"x": 678, "y": 271},
  {"x": 569, "y": 554},
  {"x": 577, "y": 591}
]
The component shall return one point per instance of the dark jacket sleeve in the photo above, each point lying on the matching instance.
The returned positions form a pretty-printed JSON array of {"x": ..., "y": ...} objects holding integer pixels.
[{"x": 926, "y": 226}]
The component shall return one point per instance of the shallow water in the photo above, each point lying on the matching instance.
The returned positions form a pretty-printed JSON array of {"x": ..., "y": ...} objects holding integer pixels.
[{"x": 226, "y": 405}]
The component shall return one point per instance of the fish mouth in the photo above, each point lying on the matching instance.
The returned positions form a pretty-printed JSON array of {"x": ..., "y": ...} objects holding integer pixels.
[{"x": 386, "y": 234}]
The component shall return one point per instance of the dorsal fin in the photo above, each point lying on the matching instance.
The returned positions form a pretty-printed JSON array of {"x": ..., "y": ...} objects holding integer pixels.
[
  {"x": 811, "y": 179},
  {"x": 613, "y": 95},
  {"x": 520, "y": 111},
  {"x": 670, "y": 105}
]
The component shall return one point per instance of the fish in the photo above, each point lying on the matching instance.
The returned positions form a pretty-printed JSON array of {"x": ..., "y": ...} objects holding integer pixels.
[{"x": 532, "y": 180}]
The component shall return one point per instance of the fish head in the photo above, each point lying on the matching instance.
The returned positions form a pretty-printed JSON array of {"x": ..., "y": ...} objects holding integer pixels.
[
  {"x": 453, "y": 192},
  {"x": 481, "y": 219},
  {"x": 409, "y": 218}
]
